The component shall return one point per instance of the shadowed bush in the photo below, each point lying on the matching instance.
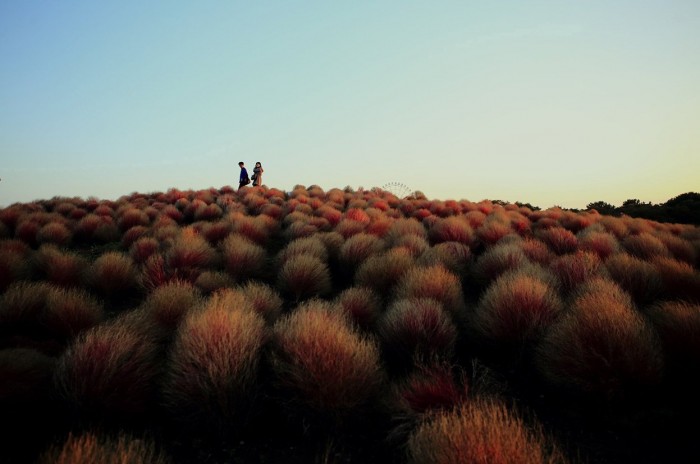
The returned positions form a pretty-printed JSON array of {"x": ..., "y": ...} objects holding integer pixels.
[
  {"x": 133, "y": 234},
  {"x": 109, "y": 371},
  {"x": 242, "y": 258},
  {"x": 639, "y": 278},
  {"x": 324, "y": 362},
  {"x": 515, "y": 310},
  {"x": 133, "y": 217},
  {"x": 94, "y": 449},
  {"x": 678, "y": 325},
  {"x": 112, "y": 273},
  {"x": 169, "y": 303},
  {"x": 434, "y": 282},
  {"x": 430, "y": 387},
  {"x": 358, "y": 248},
  {"x": 361, "y": 304},
  {"x": 214, "y": 362},
  {"x": 498, "y": 259},
  {"x": 455, "y": 256},
  {"x": 493, "y": 229},
  {"x": 381, "y": 272},
  {"x": 416, "y": 329},
  {"x": 60, "y": 267},
  {"x": 55, "y": 233},
  {"x": 678, "y": 279},
  {"x": 601, "y": 346},
  {"x": 574, "y": 269},
  {"x": 680, "y": 249},
  {"x": 212, "y": 281},
  {"x": 143, "y": 248},
  {"x": 414, "y": 244},
  {"x": 263, "y": 299},
  {"x": 451, "y": 229},
  {"x": 603, "y": 244},
  {"x": 536, "y": 251},
  {"x": 26, "y": 380},
  {"x": 644, "y": 246},
  {"x": 304, "y": 276},
  {"x": 13, "y": 267},
  {"x": 69, "y": 312},
  {"x": 22, "y": 305},
  {"x": 313, "y": 246},
  {"x": 559, "y": 240},
  {"x": 480, "y": 432},
  {"x": 190, "y": 251}
]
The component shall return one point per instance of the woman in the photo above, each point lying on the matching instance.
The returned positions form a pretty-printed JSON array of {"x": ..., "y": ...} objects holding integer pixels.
[{"x": 257, "y": 174}]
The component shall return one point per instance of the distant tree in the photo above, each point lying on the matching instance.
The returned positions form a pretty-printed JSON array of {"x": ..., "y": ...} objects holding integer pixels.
[
  {"x": 631, "y": 202},
  {"x": 602, "y": 207},
  {"x": 528, "y": 205}
]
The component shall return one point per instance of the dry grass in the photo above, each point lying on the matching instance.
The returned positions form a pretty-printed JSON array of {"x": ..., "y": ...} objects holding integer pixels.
[
  {"x": 214, "y": 361},
  {"x": 480, "y": 432},
  {"x": 324, "y": 362},
  {"x": 603, "y": 244},
  {"x": 575, "y": 269},
  {"x": 56, "y": 233},
  {"x": 559, "y": 240},
  {"x": 95, "y": 449},
  {"x": 601, "y": 346},
  {"x": 645, "y": 246}
]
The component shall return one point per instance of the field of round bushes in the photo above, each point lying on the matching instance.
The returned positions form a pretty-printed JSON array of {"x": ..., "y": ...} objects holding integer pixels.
[{"x": 341, "y": 326}]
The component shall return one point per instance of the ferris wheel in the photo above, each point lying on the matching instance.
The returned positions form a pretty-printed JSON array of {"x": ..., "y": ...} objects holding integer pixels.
[{"x": 398, "y": 189}]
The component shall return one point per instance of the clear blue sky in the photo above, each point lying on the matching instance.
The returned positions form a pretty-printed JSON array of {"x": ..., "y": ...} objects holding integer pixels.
[{"x": 547, "y": 102}]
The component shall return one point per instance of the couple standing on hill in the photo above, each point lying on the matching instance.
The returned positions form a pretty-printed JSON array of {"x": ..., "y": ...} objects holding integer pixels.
[{"x": 257, "y": 175}]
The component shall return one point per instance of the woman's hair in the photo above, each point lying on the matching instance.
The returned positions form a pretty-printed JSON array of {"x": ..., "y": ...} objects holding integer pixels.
[{"x": 258, "y": 162}]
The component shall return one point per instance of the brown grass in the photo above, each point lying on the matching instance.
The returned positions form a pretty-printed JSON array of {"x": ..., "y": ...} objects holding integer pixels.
[
  {"x": 644, "y": 246},
  {"x": 95, "y": 449},
  {"x": 23, "y": 304},
  {"x": 480, "y": 432},
  {"x": 132, "y": 217},
  {"x": 575, "y": 269},
  {"x": 169, "y": 303},
  {"x": 313, "y": 246},
  {"x": 143, "y": 248},
  {"x": 324, "y": 362},
  {"x": 679, "y": 280},
  {"x": 430, "y": 387},
  {"x": 603, "y": 244},
  {"x": 601, "y": 346},
  {"x": 451, "y": 229},
  {"x": 213, "y": 364},
  {"x": 13, "y": 267},
  {"x": 55, "y": 233},
  {"x": 454, "y": 256},
  {"x": 358, "y": 248},
  {"x": 559, "y": 240},
  {"x": 499, "y": 259},
  {"x": 678, "y": 325}
]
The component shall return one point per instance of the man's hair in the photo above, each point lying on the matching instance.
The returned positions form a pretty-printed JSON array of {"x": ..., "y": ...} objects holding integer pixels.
[{"x": 240, "y": 163}]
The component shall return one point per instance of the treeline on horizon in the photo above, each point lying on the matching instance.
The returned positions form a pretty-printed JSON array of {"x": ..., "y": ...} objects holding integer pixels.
[{"x": 684, "y": 208}]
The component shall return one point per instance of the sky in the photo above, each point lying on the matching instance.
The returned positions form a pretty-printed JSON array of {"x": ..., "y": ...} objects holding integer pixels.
[{"x": 543, "y": 102}]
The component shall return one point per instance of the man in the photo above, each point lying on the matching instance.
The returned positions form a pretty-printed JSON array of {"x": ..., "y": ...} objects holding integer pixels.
[{"x": 243, "y": 180}]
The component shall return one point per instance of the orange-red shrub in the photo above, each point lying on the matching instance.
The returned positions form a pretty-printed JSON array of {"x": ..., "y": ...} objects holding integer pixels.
[
  {"x": 59, "y": 267},
  {"x": 558, "y": 239},
  {"x": 109, "y": 371},
  {"x": 324, "y": 362},
  {"x": 263, "y": 299},
  {"x": 169, "y": 303},
  {"x": 536, "y": 251},
  {"x": 602, "y": 346},
  {"x": 679, "y": 280},
  {"x": 112, "y": 273},
  {"x": 604, "y": 244},
  {"x": 358, "y": 248},
  {"x": 242, "y": 258},
  {"x": 56, "y": 233},
  {"x": 133, "y": 217},
  {"x": 94, "y": 449},
  {"x": 213, "y": 364},
  {"x": 451, "y": 229},
  {"x": 480, "y": 432},
  {"x": 455, "y": 256},
  {"x": 417, "y": 328},
  {"x": 431, "y": 387},
  {"x": 679, "y": 248},
  {"x": 637, "y": 277},
  {"x": 515, "y": 309},
  {"x": 434, "y": 282},
  {"x": 644, "y": 246},
  {"x": 574, "y": 269},
  {"x": 211, "y": 281},
  {"x": 69, "y": 312},
  {"x": 143, "y": 248},
  {"x": 499, "y": 259},
  {"x": 313, "y": 246},
  {"x": 304, "y": 276},
  {"x": 361, "y": 304},
  {"x": 381, "y": 272}
]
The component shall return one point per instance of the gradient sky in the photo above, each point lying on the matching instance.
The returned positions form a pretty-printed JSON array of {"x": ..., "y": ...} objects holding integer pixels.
[{"x": 547, "y": 102}]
